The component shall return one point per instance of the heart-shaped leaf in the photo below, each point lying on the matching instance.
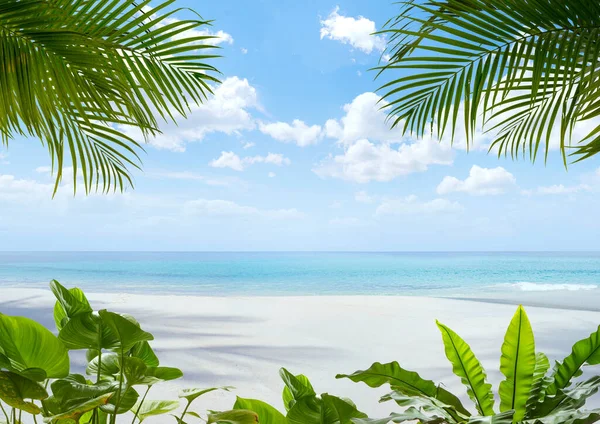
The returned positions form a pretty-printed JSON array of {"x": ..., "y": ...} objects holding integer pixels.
[
  {"x": 14, "y": 389},
  {"x": 27, "y": 345},
  {"x": 155, "y": 407}
]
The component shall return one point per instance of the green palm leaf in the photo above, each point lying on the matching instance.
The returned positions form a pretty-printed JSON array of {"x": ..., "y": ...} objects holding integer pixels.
[
  {"x": 457, "y": 63},
  {"x": 518, "y": 363},
  {"x": 466, "y": 366},
  {"x": 73, "y": 74}
]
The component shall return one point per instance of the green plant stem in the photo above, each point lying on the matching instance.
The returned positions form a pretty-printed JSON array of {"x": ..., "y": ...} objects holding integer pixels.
[
  {"x": 4, "y": 411},
  {"x": 95, "y": 417},
  {"x": 185, "y": 410},
  {"x": 34, "y": 419},
  {"x": 20, "y": 412},
  {"x": 140, "y": 405},
  {"x": 118, "y": 402}
]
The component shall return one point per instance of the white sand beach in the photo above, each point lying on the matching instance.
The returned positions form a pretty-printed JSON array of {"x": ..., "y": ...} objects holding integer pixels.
[{"x": 243, "y": 341}]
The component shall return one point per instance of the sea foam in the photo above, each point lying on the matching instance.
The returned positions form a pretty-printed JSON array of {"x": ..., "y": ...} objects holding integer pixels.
[{"x": 527, "y": 286}]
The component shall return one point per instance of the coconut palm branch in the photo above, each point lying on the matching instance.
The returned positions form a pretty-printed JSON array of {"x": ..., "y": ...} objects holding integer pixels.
[
  {"x": 74, "y": 73},
  {"x": 526, "y": 71}
]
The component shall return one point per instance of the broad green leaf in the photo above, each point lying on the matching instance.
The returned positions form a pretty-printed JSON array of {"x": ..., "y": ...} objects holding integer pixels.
[
  {"x": 309, "y": 410},
  {"x": 540, "y": 382},
  {"x": 87, "y": 331},
  {"x": 586, "y": 351},
  {"x": 344, "y": 411},
  {"x": 155, "y": 375},
  {"x": 125, "y": 402},
  {"x": 69, "y": 303},
  {"x": 265, "y": 412},
  {"x": 466, "y": 366},
  {"x": 143, "y": 351},
  {"x": 25, "y": 344},
  {"x": 75, "y": 387},
  {"x": 151, "y": 408},
  {"x": 127, "y": 333},
  {"x": 109, "y": 364},
  {"x": 134, "y": 370},
  {"x": 296, "y": 387},
  {"x": 517, "y": 364},
  {"x": 407, "y": 382},
  {"x": 78, "y": 410},
  {"x": 14, "y": 389},
  {"x": 236, "y": 416}
]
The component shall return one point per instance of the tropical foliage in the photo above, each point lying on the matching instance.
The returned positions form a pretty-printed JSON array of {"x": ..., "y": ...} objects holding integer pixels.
[
  {"x": 529, "y": 393},
  {"x": 36, "y": 379},
  {"x": 35, "y": 376},
  {"x": 526, "y": 71},
  {"x": 75, "y": 73}
]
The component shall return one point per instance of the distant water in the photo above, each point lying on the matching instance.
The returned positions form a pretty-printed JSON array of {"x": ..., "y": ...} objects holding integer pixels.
[{"x": 432, "y": 274}]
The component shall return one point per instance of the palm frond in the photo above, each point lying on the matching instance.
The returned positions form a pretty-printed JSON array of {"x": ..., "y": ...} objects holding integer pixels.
[
  {"x": 528, "y": 70},
  {"x": 72, "y": 72}
]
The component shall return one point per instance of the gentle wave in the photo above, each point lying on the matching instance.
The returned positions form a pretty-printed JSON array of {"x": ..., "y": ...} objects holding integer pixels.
[{"x": 527, "y": 286}]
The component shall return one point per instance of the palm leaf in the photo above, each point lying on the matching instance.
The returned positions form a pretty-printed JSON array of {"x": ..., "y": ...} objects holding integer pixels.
[
  {"x": 466, "y": 366},
  {"x": 73, "y": 73},
  {"x": 461, "y": 62}
]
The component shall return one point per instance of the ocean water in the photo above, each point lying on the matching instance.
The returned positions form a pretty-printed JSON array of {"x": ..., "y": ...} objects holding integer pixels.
[{"x": 274, "y": 274}]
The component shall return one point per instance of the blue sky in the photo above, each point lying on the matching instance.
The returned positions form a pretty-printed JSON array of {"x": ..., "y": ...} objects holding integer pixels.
[{"x": 293, "y": 154}]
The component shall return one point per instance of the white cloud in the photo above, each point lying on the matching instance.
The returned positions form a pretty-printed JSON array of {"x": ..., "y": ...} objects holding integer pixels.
[
  {"x": 233, "y": 161},
  {"x": 227, "y": 111},
  {"x": 220, "y": 35},
  {"x": 271, "y": 175},
  {"x": 3, "y": 157},
  {"x": 228, "y": 208},
  {"x": 364, "y": 161},
  {"x": 411, "y": 205},
  {"x": 298, "y": 132},
  {"x": 21, "y": 190},
  {"x": 363, "y": 197},
  {"x": 248, "y": 145},
  {"x": 480, "y": 182},
  {"x": 244, "y": 50},
  {"x": 363, "y": 118},
  {"x": 357, "y": 32}
]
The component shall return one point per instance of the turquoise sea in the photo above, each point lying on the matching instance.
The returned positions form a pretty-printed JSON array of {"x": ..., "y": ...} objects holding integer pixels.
[{"x": 273, "y": 274}]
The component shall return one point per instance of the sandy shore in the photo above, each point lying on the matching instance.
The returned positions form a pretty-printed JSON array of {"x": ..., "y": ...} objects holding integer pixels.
[{"x": 243, "y": 341}]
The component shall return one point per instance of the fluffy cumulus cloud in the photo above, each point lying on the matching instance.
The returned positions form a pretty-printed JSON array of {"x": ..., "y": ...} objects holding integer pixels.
[
  {"x": 357, "y": 32},
  {"x": 227, "y": 208},
  {"x": 227, "y": 111},
  {"x": 297, "y": 132},
  {"x": 480, "y": 182},
  {"x": 233, "y": 161},
  {"x": 23, "y": 190},
  {"x": 363, "y": 118},
  {"x": 365, "y": 161},
  {"x": 412, "y": 205}
]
